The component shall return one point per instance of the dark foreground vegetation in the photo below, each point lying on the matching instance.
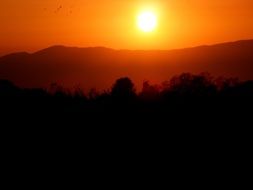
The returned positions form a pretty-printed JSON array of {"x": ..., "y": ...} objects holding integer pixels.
[
  {"x": 184, "y": 97},
  {"x": 190, "y": 121}
]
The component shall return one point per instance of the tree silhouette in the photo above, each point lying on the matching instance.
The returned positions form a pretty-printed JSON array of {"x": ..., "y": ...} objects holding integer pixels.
[
  {"x": 123, "y": 89},
  {"x": 7, "y": 88},
  {"x": 188, "y": 84},
  {"x": 184, "y": 92},
  {"x": 149, "y": 92}
]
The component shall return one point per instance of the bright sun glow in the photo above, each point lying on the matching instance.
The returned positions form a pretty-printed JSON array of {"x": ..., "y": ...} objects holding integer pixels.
[{"x": 147, "y": 21}]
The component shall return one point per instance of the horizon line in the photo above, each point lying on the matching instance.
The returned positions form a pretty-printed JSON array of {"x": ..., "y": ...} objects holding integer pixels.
[{"x": 123, "y": 49}]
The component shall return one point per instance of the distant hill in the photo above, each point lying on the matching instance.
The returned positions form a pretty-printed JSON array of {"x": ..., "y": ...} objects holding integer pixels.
[{"x": 99, "y": 67}]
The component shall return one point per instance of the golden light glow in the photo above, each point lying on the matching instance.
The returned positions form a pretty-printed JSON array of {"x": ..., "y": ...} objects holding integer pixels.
[
  {"x": 30, "y": 25},
  {"x": 147, "y": 21}
]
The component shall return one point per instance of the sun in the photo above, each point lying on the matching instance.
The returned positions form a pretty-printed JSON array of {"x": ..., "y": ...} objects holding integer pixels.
[{"x": 147, "y": 21}]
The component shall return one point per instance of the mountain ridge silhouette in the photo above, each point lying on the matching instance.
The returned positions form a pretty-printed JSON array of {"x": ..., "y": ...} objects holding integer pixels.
[{"x": 98, "y": 67}]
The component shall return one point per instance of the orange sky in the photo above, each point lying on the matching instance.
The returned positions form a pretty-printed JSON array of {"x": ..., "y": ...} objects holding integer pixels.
[{"x": 29, "y": 25}]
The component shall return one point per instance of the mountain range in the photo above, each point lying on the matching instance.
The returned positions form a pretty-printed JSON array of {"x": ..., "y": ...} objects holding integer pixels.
[{"x": 99, "y": 67}]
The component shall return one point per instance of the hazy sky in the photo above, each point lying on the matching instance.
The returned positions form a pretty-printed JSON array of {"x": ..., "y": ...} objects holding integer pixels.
[{"x": 30, "y": 25}]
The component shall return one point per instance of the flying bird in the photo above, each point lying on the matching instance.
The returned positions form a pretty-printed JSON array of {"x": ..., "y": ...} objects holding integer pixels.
[{"x": 58, "y": 9}]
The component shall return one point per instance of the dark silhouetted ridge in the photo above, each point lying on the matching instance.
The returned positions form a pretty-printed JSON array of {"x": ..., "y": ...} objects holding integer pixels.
[{"x": 98, "y": 67}]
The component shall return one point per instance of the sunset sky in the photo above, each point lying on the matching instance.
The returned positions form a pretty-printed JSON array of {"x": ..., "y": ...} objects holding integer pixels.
[{"x": 30, "y": 25}]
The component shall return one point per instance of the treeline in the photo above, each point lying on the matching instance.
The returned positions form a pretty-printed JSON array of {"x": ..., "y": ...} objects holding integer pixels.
[{"x": 182, "y": 90}]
